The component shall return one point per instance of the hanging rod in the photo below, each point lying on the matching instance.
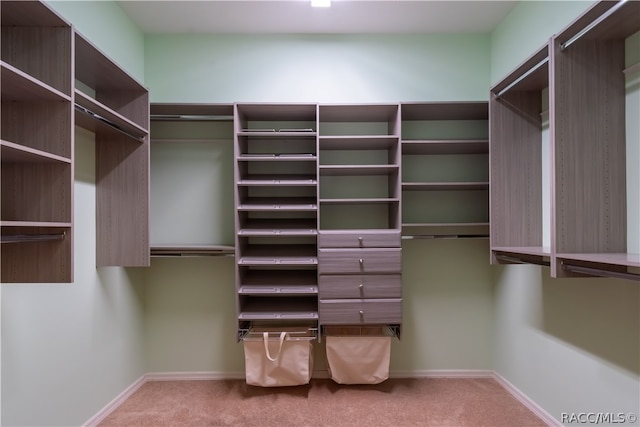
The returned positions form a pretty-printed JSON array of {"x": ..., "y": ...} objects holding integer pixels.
[
  {"x": 515, "y": 259},
  {"x": 191, "y": 117},
  {"x": 600, "y": 272},
  {"x": 107, "y": 122},
  {"x": 444, "y": 236},
  {"x": 522, "y": 77},
  {"x": 17, "y": 238},
  {"x": 593, "y": 24}
]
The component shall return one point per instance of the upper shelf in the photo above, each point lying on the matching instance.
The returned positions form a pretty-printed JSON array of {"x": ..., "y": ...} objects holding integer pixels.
[
  {"x": 116, "y": 95},
  {"x": 445, "y": 111},
  {"x": 20, "y": 86},
  {"x": 93, "y": 115}
]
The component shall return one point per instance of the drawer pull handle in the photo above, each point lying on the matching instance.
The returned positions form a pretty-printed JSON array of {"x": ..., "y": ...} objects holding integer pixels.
[
  {"x": 361, "y": 286},
  {"x": 361, "y": 263},
  {"x": 360, "y": 241},
  {"x": 361, "y": 313}
]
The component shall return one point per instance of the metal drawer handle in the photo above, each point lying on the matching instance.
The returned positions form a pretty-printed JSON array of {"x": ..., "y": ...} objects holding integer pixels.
[
  {"x": 361, "y": 263},
  {"x": 360, "y": 241},
  {"x": 361, "y": 313}
]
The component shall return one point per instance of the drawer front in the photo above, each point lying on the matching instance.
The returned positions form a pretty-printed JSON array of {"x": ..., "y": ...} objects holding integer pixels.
[
  {"x": 360, "y": 286},
  {"x": 382, "y": 239},
  {"x": 360, "y": 312},
  {"x": 336, "y": 261}
]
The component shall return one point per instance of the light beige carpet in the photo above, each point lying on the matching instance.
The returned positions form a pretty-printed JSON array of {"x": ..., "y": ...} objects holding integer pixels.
[{"x": 441, "y": 402}]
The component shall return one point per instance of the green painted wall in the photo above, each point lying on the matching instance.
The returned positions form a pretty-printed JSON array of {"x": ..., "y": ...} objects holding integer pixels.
[{"x": 316, "y": 68}]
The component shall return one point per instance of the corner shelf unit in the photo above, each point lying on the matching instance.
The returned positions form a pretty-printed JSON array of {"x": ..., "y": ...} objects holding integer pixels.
[
  {"x": 113, "y": 105},
  {"x": 275, "y": 150},
  {"x": 36, "y": 145},
  {"x": 588, "y": 210},
  {"x": 445, "y": 170}
]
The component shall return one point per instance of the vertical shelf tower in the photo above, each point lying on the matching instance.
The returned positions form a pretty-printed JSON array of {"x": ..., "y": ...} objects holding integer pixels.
[
  {"x": 359, "y": 250},
  {"x": 36, "y": 145},
  {"x": 275, "y": 149}
]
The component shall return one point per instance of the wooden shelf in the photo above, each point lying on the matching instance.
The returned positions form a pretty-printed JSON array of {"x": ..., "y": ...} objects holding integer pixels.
[
  {"x": 620, "y": 259},
  {"x": 357, "y": 170},
  {"x": 190, "y": 250},
  {"x": 444, "y": 186},
  {"x": 94, "y": 116},
  {"x": 16, "y": 153},
  {"x": 434, "y": 147},
  {"x": 371, "y": 142},
  {"x": 20, "y": 86}
]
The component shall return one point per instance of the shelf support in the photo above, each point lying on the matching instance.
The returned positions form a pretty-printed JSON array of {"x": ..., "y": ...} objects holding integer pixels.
[{"x": 600, "y": 272}]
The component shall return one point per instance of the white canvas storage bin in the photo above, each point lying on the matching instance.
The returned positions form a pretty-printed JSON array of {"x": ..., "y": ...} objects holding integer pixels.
[
  {"x": 278, "y": 358},
  {"x": 362, "y": 358}
]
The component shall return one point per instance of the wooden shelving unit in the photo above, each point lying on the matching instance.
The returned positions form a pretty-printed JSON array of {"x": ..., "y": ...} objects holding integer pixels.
[
  {"x": 445, "y": 182},
  {"x": 276, "y": 184},
  {"x": 36, "y": 145},
  {"x": 516, "y": 110},
  {"x": 583, "y": 68},
  {"x": 359, "y": 253},
  {"x": 113, "y": 105}
]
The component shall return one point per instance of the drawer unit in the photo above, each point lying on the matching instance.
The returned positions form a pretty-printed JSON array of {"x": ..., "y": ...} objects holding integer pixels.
[
  {"x": 340, "y": 286},
  {"x": 378, "y": 239},
  {"x": 360, "y": 311},
  {"x": 359, "y": 261}
]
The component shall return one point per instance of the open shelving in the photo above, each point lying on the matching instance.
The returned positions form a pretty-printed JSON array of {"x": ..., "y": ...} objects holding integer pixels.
[
  {"x": 445, "y": 182},
  {"x": 191, "y": 147},
  {"x": 113, "y": 105},
  {"x": 36, "y": 145},
  {"x": 276, "y": 182}
]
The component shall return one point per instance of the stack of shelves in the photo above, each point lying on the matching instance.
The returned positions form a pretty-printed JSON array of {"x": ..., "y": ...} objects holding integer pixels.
[
  {"x": 113, "y": 105},
  {"x": 445, "y": 168},
  {"x": 359, "y": 229},
  {"x": 276, "y": 214},
  {"x": 36, "y": 145}
]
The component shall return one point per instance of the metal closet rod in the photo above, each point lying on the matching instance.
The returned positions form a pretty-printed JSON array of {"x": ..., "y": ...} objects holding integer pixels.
[
  {"x": 191, "y": 117},
  {"x": 589, "y": 27},
  {"x": 522, "y": 77},
  {"x": 16, "y": 238},
  {"x": 509, "y": 258},
  {"x": 600, "y": 272},
  {"x": 108, "y": 122}
]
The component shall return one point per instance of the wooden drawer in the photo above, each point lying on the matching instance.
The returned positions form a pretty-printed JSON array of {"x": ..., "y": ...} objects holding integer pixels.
[
  {"x": 360, "y": 312},
  {"x": 370, "y": 239},
  {"x": 360, "y": 286},
  {"x": 336, "y": 261}
]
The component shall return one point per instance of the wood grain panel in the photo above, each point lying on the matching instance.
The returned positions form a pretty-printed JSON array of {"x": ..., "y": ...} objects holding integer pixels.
[
  {"x": 515, "y": 169},
  {"x": 357, "y": 239},
  {"x": 122, "y": 200},
  {"x": 341, "y": 286},
  {"x": 37, "y": 192},
  {"x": 354, "y": 312},
  {"x": 336, "y": 261},
  {"x": 42, "y": 52},
  {"x": 590, "y": 148},
  {"x": 37, "y": 262}
]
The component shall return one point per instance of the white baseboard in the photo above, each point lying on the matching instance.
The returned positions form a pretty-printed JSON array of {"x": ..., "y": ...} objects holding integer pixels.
[
  {"x": 443, "y": 373},
  {"x": 526, "y": 401},
  {"x": 435, "y": 373},
  {"x": 111, "y": 406}
]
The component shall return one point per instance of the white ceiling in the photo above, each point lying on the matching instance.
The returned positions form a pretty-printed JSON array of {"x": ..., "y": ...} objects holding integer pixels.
[{"x": 297, "y": 16}]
